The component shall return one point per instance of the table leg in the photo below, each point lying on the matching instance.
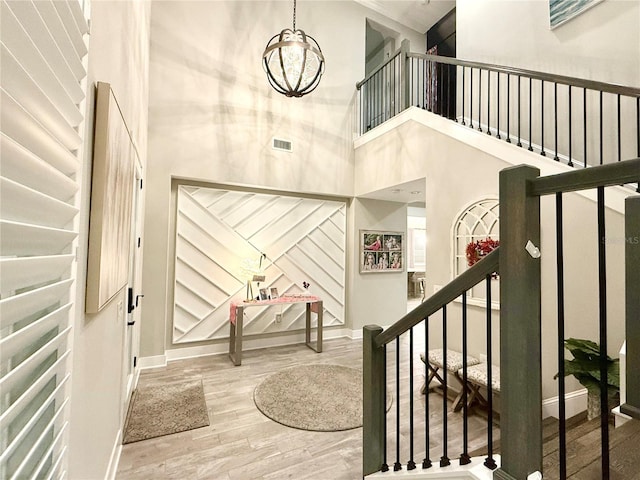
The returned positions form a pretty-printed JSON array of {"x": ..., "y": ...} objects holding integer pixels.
[
  {"x": 318, "y": 345},
  {"x": 235, "y": 337}
]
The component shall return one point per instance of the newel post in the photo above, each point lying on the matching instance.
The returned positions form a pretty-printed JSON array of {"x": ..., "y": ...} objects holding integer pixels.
[
  {"x": 404, "y": 74},
  {"x": 373, "y": 407},
  {"x": 632, "y": 285},
  {"x": 520, "y": 329}
]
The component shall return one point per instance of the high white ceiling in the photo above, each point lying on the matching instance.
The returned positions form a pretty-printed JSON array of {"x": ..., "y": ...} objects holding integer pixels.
[{"x": 419, "y": 15}]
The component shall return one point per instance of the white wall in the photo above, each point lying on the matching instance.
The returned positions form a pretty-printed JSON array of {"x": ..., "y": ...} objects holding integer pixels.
[
  {"x": 459, "y": 170},
  {"x": 118, "y": 54},
  {"x": 600, "y": 44},
  {"x": 213, "y": 114},
  {"x": 376, "y": 298}
]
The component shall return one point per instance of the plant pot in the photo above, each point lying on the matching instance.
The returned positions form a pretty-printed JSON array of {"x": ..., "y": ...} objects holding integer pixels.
[{"x": 593, "y": 404}]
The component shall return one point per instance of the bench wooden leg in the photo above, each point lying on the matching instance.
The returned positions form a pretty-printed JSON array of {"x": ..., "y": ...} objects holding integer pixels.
[
  {"x": 475, "y": 395},
  {"x": 457, "y": 403},
  {"x": 433, "y": 373}
]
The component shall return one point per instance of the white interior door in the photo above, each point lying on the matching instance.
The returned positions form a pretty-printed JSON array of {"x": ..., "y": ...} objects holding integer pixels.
[{"x": 132, "y": 325}]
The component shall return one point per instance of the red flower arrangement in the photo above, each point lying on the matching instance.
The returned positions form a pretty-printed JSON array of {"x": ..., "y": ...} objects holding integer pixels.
[{"x": 478, "y": 249}]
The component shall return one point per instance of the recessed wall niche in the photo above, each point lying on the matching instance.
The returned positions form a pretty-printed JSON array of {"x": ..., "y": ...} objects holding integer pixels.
[{"x": 218, "y": 231}]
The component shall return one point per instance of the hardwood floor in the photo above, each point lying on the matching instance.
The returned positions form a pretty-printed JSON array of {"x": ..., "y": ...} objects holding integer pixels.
[{"x": 243, "y": 444}]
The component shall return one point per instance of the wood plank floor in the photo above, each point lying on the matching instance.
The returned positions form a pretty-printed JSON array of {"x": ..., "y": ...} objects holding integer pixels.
[{"x": 243, "y": 444}]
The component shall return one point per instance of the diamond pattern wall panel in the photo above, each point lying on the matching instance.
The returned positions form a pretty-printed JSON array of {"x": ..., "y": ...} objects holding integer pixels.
[{"x": 218, "y": 231}]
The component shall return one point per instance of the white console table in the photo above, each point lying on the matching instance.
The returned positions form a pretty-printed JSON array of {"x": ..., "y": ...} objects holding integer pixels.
[{"x": 236, "y": 318}]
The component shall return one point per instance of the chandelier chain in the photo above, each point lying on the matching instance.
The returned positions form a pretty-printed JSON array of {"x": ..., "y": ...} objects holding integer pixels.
[{"x": 294, "y": 15}]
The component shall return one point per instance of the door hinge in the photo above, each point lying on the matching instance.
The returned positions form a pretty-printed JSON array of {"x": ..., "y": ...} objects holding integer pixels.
[
  {"x": 139, "y": 239},
  {"x": 140, "y": 184},
  {"x": 135, "y": 362}
]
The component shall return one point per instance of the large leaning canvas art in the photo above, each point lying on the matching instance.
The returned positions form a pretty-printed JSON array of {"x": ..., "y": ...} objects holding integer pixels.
[
  {"x": 561, "y": 11},
  {"x": 111, "y": 201}
]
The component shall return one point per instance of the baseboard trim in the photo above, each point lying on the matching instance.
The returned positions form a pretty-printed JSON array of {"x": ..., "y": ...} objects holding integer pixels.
[
  {"x": 575, "y": 403},
  {"x": 114, "y": 459},
  {"x": 154, "y": 361},
  {"x": 248, "y": 344}
]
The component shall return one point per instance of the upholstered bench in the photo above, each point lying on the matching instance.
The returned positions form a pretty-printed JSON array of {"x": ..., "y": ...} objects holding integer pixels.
[
  {"x": 478, "y": 376},
  {"x": 434, "y": 361}
]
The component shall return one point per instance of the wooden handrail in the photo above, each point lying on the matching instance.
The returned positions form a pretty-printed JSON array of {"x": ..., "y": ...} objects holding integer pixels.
[
  {"x": 465, "y": 281},
  {"x": 547, "y": 77},
  {"x": 607, "y": 175}
]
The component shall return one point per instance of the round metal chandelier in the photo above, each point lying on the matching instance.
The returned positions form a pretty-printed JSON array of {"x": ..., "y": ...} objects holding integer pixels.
[{"x": 293, "y": 61}]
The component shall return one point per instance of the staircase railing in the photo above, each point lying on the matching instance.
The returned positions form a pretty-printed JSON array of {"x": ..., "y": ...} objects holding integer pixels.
[
  {"x": 376, "y": 437},
  {"x": 518, "y": 261},
  {"x": 520, "y": 348},
  {"x": 574, "y": 121}
]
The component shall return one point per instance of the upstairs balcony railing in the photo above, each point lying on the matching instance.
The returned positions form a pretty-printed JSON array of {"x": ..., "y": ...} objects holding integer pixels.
[{"x": 577, "y": 122}]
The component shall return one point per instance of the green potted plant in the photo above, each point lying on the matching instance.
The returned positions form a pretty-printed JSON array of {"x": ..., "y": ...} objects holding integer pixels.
[{"x": 585, "y": 366}]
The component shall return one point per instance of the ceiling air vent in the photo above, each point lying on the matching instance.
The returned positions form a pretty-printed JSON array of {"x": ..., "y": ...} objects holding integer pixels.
[{"x": 282, "y": 145}]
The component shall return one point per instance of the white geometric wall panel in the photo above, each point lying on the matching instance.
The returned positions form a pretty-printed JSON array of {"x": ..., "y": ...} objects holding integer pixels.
[{"x": 217, "y": 231}]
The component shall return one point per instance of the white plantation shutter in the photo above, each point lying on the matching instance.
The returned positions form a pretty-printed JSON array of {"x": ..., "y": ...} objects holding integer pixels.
[{"x": 41, "y": 123}]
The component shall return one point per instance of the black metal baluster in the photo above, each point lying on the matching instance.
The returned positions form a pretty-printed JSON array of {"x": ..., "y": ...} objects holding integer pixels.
[
  {"x": 455, "y": 93},
  {"x": 426, "y": 462},
  {"x": 471, "y": 100},
  {"x": 397, "y": 465},
  {"x": 542, "y": 152},
  {"x": 519, "y": 142},
  {"x": 368, "y": 104},
  {"x": 360, "y": 95},
  {"x": 385, "y": 465},
  {"x": 619, "y": 132},
  {"x": 385, "y": 112},
  {"x": 417, "y": 62},
  {"x": 449, "y": 91},
  {"x": 489, "y": 461},
  {"x": 555, "y": 118},
  {"x": 444, "y": 460},
  {"x": 440, "y": 71},
  {"x": 415, "y": 84},
  {"x": 463, "y": 123},
  {"x": 601, "y": 134},
  {"x": 374, "y": 100},
  {"x": 602, "y": 294},
  {"x": 411, "y": 465},
  {"x": 570, "y": 124},
  {"x": 530, "y": 112},
  {"x": 488, "y": 102},
  {"x": 498, "y": 109},
  {"x": 464, "y": 457},
  {"x": 429, "y": 81},
  {"x": 479, "y": 100},
  {"x": 584, "y": 124},
  {"x": 508, "y": 106},
  {"x": 562, "y": 437}
]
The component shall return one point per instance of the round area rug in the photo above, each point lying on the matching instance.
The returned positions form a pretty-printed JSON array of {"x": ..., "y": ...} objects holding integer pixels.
[{"x": 317, "y": 397}]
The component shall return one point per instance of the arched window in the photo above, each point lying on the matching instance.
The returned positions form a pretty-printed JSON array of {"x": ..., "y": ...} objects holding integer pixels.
[{"x": 478, "y": 221}]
